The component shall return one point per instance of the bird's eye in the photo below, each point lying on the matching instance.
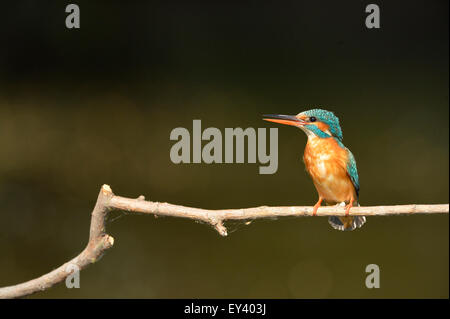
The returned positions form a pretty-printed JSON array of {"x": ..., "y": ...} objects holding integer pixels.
[{"x": 312, "y": 119}]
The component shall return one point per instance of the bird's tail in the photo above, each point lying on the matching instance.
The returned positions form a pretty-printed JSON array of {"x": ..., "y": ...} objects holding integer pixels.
[{"x": 346, "y": 223}]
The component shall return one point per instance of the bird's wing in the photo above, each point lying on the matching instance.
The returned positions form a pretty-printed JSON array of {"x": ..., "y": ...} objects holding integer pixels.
[{"x": 352, "y": 171}]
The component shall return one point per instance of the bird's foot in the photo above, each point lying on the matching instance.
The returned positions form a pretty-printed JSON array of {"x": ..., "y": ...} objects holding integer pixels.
[
  {"x": 316, "y": 207},
  {"x": 347, "y": 208}
]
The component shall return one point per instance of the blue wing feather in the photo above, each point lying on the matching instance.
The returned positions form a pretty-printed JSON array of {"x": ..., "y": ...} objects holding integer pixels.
[{"x": 352, "y": 171}]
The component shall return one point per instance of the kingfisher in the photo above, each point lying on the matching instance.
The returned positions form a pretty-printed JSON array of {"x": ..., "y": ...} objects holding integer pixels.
[{"x": 330, "y": 164}]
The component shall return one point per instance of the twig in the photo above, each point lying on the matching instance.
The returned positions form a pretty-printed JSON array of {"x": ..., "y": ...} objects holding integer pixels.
[{"x": 99, "y": 241}]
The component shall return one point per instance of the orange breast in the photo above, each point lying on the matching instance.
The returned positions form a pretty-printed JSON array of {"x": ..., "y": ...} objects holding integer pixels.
[{"x": 326, "y": 162}]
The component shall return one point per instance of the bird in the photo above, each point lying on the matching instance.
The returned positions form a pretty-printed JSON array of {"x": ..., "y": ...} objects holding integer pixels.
[{"x": 330, "y": 164}]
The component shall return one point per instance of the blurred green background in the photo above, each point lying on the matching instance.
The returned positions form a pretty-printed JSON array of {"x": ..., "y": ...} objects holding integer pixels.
[{"x": 80, "y": 108}]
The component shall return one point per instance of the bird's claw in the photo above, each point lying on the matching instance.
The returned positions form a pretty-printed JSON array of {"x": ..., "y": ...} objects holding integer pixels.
[
  {"x": 316, "y": 207},
  {"x": 315, "y": 210},
  {"x": 347, "y": 208}
]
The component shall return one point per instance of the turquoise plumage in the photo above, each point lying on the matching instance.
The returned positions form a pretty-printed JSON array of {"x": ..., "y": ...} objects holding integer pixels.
[
  {"x": 352, "y": 171},
  {"x": 328, "y": 118}
]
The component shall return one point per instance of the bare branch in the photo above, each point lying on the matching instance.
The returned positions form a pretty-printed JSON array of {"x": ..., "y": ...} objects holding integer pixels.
[{"x": 99, "y": 241}]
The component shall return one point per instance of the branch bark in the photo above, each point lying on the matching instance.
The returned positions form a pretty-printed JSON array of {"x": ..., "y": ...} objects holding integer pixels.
[{"x": 100, "y": 242}]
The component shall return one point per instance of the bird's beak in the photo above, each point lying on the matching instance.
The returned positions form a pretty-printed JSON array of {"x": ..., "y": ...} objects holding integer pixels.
[{"x": 284, "y": 119}]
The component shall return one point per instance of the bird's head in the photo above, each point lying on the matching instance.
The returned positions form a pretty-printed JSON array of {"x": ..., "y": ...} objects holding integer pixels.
[{"x": 315, "y": 122}]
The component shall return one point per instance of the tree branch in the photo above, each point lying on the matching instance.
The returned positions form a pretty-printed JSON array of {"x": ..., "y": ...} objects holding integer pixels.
[{"x": 99, "y": 241}]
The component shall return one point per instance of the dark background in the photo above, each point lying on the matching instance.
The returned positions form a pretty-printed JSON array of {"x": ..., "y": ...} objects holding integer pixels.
[{"x": 80, "y": 108}]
